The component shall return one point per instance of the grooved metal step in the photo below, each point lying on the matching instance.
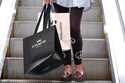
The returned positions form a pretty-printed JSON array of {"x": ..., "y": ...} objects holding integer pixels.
[
  {"x": 92, "y": 48},
  {"x": 39, "y": 2},
  {"x": 96, "y": 69},
  {"x": 88, "y": 29},
  {"x": 31, "y": 13},
  {"x": 51, "y": 81}
]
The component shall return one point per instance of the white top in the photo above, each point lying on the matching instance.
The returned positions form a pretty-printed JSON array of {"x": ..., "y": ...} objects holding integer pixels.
[{"x": 75, "y": 3}]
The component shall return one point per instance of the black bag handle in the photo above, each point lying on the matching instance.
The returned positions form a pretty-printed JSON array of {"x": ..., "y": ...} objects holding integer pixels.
[
  {"x": 38, "y": 23},
  {"x": 46, "y": 17}
]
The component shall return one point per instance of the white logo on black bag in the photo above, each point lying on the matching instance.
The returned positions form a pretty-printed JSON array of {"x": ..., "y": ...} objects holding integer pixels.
[{"x": 39, "y": 43}]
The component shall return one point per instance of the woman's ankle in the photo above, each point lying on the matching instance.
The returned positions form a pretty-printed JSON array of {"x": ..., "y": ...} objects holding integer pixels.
[
  {"x": 68, "y": 66},
  {"x": 68, "y": 69}
]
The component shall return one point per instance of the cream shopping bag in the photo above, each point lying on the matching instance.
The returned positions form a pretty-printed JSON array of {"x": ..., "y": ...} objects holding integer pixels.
[{"x": 62, "y": 22}]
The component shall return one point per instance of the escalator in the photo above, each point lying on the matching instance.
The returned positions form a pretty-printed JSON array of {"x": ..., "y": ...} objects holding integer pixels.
[{"x": 95, "y": 54}]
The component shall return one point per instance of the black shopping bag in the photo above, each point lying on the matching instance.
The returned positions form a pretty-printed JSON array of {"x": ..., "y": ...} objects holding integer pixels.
[{"x": 42, "y": 51}]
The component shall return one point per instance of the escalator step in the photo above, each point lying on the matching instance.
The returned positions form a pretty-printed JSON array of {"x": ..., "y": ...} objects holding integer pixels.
[
  {"x": 88, "y": 29},
  {"x": 96, "y": 69},
  {"x": 92, "y": 48},
  {"x": 31, "y": 13},
  {"x": 39, "y": 2}
]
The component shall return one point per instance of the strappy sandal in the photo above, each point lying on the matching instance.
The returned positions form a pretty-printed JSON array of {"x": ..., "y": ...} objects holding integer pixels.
[
  {"x": 80, "y": 74},
  {"x": 67, "y": 76}
]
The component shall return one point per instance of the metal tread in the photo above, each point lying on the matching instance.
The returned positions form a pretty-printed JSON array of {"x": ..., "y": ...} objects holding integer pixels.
[
  {"x": 39, "y": 3},
  {"x": 34, "y": 21},
  {"x": 85, "y": 59},
  {"x": 50, "y": 81}
]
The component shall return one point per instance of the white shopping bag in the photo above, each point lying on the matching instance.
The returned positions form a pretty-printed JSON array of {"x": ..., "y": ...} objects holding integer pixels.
[
  {"x": 41, "y": 24},
  {"x": 62, "y": 22}
]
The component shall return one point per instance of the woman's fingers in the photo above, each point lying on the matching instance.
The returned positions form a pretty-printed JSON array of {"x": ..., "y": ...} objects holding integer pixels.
[
  {"x": 51, "y": 1},
  {"x": 45, "y": 1},
  {"x": 48, "y": 1}
]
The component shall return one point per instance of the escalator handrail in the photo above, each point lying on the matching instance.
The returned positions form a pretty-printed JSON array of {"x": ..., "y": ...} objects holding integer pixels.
[
  {"x": 7, "y": 12},
  {"x": 113, "y": 28}
]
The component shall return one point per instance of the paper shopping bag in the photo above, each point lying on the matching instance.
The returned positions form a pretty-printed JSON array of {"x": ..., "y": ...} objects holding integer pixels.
[{"x": 62, "y": 22}]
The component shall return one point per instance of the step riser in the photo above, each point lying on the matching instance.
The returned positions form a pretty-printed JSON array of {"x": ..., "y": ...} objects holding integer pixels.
[
  {"x": 39, "y": 3},
  {"x": 91, "y": 48},
  {"x": 93, "y": 15},
  {"x": 95, "y": 70},
  {"x": 31, "y": 13},
  {"x": 24, "y": 29},
  {"x": 92, "y": 30},
  {"x": 88, "y": 29},
  {"x": 94, "y": 48}
]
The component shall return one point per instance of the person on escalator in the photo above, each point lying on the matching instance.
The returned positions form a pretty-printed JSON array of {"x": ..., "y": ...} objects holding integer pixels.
[{"x": 76, "y": 8}]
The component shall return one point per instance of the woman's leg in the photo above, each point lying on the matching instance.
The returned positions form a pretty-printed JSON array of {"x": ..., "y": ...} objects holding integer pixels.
[
  {"x": 76, "y": 14},
  {"x": 75, "y": 21}
]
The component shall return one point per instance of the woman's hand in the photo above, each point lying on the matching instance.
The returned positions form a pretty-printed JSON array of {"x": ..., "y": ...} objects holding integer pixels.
[{"x": 48, "y": 1}]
